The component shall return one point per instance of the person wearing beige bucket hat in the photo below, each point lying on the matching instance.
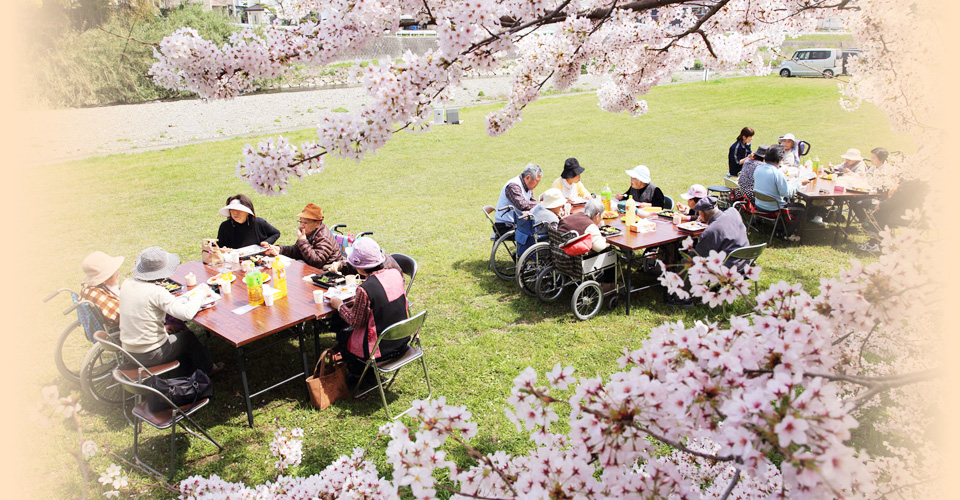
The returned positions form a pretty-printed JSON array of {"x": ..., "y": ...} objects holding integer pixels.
[
  {"x": 315, "y": 243},
  {"x": 242, "y": 227},
  {"x": 101, "y": 286},
  {"x": 144, "y": 310},
  {"x": 551, "y": 208},
  {"x": 852, "y": 162}
]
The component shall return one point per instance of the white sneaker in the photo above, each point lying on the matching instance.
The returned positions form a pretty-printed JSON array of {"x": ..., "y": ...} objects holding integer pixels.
[{"x": 818, "y": 221}]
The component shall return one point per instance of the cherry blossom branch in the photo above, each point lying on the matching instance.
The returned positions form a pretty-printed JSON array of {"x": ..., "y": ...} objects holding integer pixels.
[
  {"x": 128, "y": 38},
  {"x": 733, "y": 483},
  {"x": 696, "y": 28},
  {"x": 485, "y": 459},
  {"x": 163, "y": 484}
]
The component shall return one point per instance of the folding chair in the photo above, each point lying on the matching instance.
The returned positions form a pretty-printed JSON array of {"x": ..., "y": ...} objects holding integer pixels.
[
  {"x": 168, "y": 418},
  {"x": 667, "y": 203},
  {"x": 409, "y": 327},
  {"x": 750, "y": 254},
  {"x": 775, "y": 215},
  {"x": 803, "y": 148},
  {"x": 408, "y": 266}
]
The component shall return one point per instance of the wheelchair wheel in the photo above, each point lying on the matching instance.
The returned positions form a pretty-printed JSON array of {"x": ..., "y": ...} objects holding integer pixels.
[
  {"x": 586, "y": 300},
  {"x": 96, "y": 376},
  {"x": 529, "y": 265},
  {"x": 503, "y": 257},
  {"x": 549, "y": 284},
  {"x": 71, "y": 348}
]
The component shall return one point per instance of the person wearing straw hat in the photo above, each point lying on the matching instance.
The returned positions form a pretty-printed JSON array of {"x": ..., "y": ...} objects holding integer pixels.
[
  {"x": 644, "y": 192},
  {"x": 569, "y": 182},
  {"x": 242, "y": 227},
  {"x": 550, "y": 209},
  {"x": 791, "y": 152},
  {"x": 852, "y": 162},
  {"x": 144, "y": 306},
  {"x": 102, "y": 285},
  {"x": 379, "y": 302},
  {"x": 315, "y": 243}
]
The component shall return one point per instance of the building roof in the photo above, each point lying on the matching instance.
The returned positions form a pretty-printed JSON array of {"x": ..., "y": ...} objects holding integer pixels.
[{"x": 257, "y": 7}]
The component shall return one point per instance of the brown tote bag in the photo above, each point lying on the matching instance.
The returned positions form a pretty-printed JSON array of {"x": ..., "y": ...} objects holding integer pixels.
[{"x": 328, "y": 384}]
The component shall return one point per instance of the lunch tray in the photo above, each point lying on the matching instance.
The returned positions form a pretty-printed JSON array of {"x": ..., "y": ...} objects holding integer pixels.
[
  {"x": 666, "y": 213},
  {"x": 170, "y": 285},
  {"x": 327, "y": 279},
  {"x": 607, "y": 231}
]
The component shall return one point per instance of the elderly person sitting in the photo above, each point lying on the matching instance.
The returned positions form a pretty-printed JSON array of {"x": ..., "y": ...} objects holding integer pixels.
[
  {"x": 693, "y": 195},
  {"x": 852, "y": 162},
  {"x": 745, "y": 181},
  {"x": 315, "y": 243},
  {"x": 569, "y": 182},
  {"x": 644, "y": 192},
  {"x": 380, "y": 301},
  {"x": 102, "y": 285},
  {"x": 144, "y": 305},
  {"x": 517, "y": 192},
  {"x": 551, "y": 209},
  {"x": 791, "y": 151},
  {"x": 725, "y": 231},
  {"x": 587, "y": 222}
]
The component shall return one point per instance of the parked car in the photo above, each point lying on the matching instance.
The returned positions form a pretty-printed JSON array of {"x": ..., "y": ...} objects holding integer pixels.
[{"x": 813, "y": 62}]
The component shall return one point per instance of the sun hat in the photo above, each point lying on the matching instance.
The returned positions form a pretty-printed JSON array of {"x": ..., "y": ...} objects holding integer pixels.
[
  {"x": 788, "y": 137},
  {"x": 154, "y": 263},
  {"x": 571, "y": 169},
  {"x": 553, "y": 198},
  {"x": 640, "y": 173},
  {"x": 312, "y": 212},
  {"x": 98, "y": 267},
  {"x": 234, "y": 205},
  {"x": 366, "y": 254},
  {"x": 706, "y": 203},
  {"x": 853, "y": 154},
  {"x": 695, "y": 191},
  {"x": 761, "y": 151}
]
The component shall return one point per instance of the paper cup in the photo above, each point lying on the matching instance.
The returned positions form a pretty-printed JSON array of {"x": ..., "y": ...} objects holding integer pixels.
[
  {"x": 351, "y": 279},
  {"x": 318, "y": 296},
  {"x": 268, "y": 299},
  {"x": 225, "y": 287},
  {"x": 191, "y": 279}
]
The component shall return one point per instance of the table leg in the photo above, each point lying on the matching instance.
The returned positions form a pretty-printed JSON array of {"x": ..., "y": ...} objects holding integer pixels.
[
  {"x": 628, "y": 278},
  {"x": 316, "y": 339},
  {"x": 242, "y": 366},
  {"x": 846, "y": 229},
  {"x": 301, "y": 336}
]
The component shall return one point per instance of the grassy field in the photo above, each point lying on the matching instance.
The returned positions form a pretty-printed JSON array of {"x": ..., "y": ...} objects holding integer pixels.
[{"x": 420, "y": 195}]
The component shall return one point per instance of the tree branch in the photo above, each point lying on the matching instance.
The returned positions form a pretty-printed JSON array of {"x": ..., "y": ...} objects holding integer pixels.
[{"x": 733, "y": 484}]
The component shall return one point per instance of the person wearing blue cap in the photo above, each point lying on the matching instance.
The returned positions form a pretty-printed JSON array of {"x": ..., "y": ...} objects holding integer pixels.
[{"x": 725, "y": 231}]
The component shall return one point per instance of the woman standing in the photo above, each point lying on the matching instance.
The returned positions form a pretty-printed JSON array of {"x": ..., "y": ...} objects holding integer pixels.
[
  {"x": 739, "y": 151},
  {"x": 243, "y": 227}
]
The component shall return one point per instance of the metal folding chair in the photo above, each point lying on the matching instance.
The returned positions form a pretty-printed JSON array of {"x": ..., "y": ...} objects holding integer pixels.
[
  {"x": 409, "y": 327},
  {"x": 775, "y": 215},
  {"x": 750, "y": 254},
  {"x": 168, "y": 418},
  {"x": 408, "y": 266}
]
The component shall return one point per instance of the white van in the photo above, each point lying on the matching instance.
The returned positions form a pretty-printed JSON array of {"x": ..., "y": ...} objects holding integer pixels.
[{"x": 813, "y": 62}]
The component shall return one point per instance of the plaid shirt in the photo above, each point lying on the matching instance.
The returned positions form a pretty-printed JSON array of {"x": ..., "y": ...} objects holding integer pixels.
[{"x": 104, "y": 299}]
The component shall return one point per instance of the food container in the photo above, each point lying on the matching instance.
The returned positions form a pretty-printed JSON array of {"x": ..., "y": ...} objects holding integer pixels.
[
  {"x": 643, "y": 226},
  {"x": 838, "y": 189}
]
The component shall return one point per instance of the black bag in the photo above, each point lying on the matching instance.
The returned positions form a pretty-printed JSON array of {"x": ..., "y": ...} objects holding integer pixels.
[{"x": 181, "y": 390}]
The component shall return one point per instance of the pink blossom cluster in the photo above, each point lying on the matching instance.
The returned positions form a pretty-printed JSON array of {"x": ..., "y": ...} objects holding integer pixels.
[{"x": 287, "y": 448}]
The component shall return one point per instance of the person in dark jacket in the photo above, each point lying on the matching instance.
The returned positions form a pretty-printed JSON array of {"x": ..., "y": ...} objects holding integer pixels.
[
  {"x": 315, "y": 243},
  {"x": 739, "y": 151},
  {"x": 379, "y": 302},
  {"x": 243, "y": 227},
  {"x": 644, "y": 192}
]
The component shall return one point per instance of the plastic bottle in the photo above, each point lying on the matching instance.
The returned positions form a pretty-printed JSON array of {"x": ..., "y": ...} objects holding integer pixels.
[
  {"x": 631, "y": 216},
  {"x": 254, "y": 288},
  {"x": 606, "y": 195},
  {"x": 816, "y": 165},
  {"x": 280, "y": 277}
]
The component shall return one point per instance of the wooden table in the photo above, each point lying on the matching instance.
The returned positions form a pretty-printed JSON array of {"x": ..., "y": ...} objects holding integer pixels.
[
  {"x": 811, "y": 192},
  {"x": 629, "y": 242},
  {"x": 240, "y": 330}
]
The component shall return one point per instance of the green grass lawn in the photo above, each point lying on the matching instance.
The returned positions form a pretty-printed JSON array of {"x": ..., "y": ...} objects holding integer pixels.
[{"x": 421, "y": 195}]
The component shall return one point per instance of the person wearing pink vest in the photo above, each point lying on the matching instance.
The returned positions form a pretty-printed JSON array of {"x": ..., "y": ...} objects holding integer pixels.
[{"x": 380, "y": 301}]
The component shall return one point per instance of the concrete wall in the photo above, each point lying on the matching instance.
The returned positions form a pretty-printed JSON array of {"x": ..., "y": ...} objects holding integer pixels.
[{"x": 392, "y": 47}]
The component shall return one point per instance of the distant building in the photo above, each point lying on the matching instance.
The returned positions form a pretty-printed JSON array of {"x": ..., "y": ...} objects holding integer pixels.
[{"x": 257, "y": 14}]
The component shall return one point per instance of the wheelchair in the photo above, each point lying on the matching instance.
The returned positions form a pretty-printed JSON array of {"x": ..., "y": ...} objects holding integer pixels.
[
  {"x": 582, "y": 272},
  {"x": 503, "y": 253},
  {"x": 534, "y": 252}
]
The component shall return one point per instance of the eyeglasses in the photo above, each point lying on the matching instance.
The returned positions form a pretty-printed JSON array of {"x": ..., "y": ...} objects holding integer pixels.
[{"x": 305, "y": 221}]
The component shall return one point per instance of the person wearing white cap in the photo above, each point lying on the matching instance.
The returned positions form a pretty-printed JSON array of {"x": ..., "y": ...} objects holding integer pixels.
[
  {"x": 791, "y": 153},
  {"x": 242, "y": 227},
  {"x": 641, "y": 189},
  {"x": 102, "y": 285},
  {"x": 144, "y": 306},
  {"x": 852, "y": 162},
  {"x": 550, "y": 209}
]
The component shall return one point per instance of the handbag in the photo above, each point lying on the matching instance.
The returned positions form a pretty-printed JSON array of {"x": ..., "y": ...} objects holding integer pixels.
[
  {"x": 578, "y": 246},
  {"x": 181, "y": 391},
  {"x": 328, "y": 384}
]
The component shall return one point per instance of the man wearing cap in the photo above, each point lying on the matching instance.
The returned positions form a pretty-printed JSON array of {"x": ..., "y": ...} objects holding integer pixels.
[
  {"x": 641, "y": 189},
  {"x": 725, "y": 230},
  {"x": 550, "y": 210},
  {"x": 791, "y": 153},
  {"x": 102, "y": 285},
  {"x": 315, "y": 243},
  {"x": 569, "y": 182},
  {"x": 379, "y": 302},
  {"x": 144, "y": 305},
  {"x": 518, "y": 193},
  {"x": 852, "y": 162},
  {"x": 242, "y": 227},
  {"x": 693, "y": 195},
  {"x": 745, "y": 181}
]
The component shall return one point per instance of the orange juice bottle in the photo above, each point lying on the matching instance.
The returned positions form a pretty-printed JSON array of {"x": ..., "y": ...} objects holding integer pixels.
[{"x": 279, "y": 277}]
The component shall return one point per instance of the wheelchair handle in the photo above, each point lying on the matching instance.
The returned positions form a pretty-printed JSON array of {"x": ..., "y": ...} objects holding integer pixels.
[
  {"x": 78, "y": 304},
  {"x": 336, "y": 228},
  {"x": 54, "y": 294},
  {"x": 365, "y": 233}
]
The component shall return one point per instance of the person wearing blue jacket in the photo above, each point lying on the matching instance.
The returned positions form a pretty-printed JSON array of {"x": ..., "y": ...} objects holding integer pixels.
[
  {"x": 768, "y": 179},
  {"x": 740, "y": 151}
]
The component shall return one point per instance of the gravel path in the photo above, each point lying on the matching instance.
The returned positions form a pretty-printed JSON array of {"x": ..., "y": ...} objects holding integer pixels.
[{"x": 69, "y": 134}]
